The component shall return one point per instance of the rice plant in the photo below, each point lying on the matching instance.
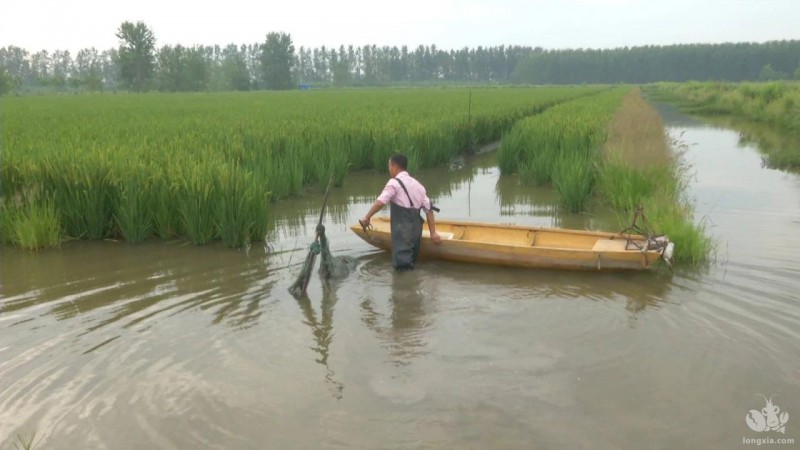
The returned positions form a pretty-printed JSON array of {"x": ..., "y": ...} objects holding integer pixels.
[
  {"x": 241, "y": 216},
  {"x": 573, "y": 179},
  {"x": 30, "y": 220},
  {"x": 165, "y": 214},
  {"x": 38, "y": 227},
  {"x": 133, "y": 216},
  {"x": 26, "y": 442},
  {"x": 560, "y": 146},
  {"x": 9, "y": 211},
  {"x": 196, "y": 197}
]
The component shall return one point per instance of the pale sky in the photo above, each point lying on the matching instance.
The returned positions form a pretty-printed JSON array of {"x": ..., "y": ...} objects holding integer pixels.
[{"x": 75, "y": 24}]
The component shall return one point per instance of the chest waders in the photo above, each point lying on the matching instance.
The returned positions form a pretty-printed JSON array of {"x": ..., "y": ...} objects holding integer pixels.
[{"x": 406, "y": 233}]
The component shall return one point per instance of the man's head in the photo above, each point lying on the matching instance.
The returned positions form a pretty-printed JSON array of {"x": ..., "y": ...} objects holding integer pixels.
[{"x": 397, "y": 164}]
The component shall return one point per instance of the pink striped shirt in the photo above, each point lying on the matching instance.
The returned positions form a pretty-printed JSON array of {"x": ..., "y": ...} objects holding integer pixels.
[{"x": 394, "y": 192}]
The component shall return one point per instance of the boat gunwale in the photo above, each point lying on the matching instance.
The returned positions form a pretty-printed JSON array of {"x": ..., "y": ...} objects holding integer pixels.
[
  {"x": 606, "y": 234},
  {"x": 600, "y": 234}
]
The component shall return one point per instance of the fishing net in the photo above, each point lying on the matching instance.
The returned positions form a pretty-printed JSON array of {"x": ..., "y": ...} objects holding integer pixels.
[{"x": 331, "y": 267}]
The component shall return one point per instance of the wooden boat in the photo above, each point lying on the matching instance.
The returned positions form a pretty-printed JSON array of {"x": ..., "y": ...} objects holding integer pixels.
[{"x": 532, "y": 247}]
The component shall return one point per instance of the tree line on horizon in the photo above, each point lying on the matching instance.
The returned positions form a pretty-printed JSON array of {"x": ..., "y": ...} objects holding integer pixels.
[{"x": 138, "y": 65}]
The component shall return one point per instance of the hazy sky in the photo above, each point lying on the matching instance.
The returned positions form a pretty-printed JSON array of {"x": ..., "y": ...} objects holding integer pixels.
[{"x": 75, "y": 24}]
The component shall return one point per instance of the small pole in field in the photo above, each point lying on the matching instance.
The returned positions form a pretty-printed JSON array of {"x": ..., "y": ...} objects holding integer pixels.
[{"x": 470, "y": 146}]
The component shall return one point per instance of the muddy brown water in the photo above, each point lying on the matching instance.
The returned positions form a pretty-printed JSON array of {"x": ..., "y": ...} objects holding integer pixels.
[{"x": 166, "y": 345}]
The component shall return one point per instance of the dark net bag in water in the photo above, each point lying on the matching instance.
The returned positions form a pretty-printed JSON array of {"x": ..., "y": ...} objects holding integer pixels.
[{"x": 331, "y": 267}]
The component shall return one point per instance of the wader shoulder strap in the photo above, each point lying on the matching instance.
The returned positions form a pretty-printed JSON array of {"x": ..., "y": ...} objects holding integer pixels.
[{"x": 406, "y": 191}]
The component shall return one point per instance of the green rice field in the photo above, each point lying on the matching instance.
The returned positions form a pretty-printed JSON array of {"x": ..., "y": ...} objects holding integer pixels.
[{"x": 207, "y": 166}]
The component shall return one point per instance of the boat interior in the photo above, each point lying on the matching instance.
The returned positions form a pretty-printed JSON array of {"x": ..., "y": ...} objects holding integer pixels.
[{"x": 520, "y": 237}]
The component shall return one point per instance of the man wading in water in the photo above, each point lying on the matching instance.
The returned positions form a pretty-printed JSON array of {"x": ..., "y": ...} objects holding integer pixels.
[{"x": 407, "y": 197}]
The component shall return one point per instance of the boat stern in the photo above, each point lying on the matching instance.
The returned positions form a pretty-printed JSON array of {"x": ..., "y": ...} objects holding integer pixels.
[
  {"x": 663, "y": 246},
  {"x": 668, "y": 252}
]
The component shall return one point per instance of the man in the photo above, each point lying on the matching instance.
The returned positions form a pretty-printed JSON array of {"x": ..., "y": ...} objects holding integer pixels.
[{"x": 407, "y": 196}]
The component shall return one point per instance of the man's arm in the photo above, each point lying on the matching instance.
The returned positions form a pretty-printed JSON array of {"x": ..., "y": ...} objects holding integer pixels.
[
  {"x": 426, "y": 205},
  {"x": 372, "y": 211},
  {"x": 386, "y": 195},
  {"x": 432, "y": 227}
]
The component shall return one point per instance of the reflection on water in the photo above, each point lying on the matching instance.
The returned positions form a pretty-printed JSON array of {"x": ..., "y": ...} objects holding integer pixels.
[
  {"x": 403, "y": 329},
  {"x": 517, "y": 199},
  {"x": 322, "y": 330},
  {"x": 167, "y": 345},
  {"x": 775, "y": 146},
  {"x": 772, "y": 143}
]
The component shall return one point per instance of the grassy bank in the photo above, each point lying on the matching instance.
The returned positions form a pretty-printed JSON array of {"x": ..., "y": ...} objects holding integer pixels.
[
  {"x": 609, "y": 148},
  {"x": 642, "y": 165},
  {"x": 774, "y": 103},
  {"x": 205, "y": 166}
]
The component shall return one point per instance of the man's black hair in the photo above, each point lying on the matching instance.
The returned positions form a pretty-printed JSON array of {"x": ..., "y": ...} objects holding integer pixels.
[{"x": 399, "y": 160}]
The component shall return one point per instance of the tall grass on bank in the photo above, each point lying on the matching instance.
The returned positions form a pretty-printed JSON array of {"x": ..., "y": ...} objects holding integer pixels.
[
  {"x": 200, "y": 166},
  {"x": 775, "y": 103},
  {"x": 625, "y": 187},
  {"x": 642, "y": 165},
  {"x": 638, "y": 161},
  {"x": 693, "y": 246}
]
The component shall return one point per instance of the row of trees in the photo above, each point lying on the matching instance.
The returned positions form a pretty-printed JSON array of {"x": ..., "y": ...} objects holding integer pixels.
[
  {"x": 373, "y": 65},
  {"x": 721, "y": 62},
  {"x": 139, "y": 65}
]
